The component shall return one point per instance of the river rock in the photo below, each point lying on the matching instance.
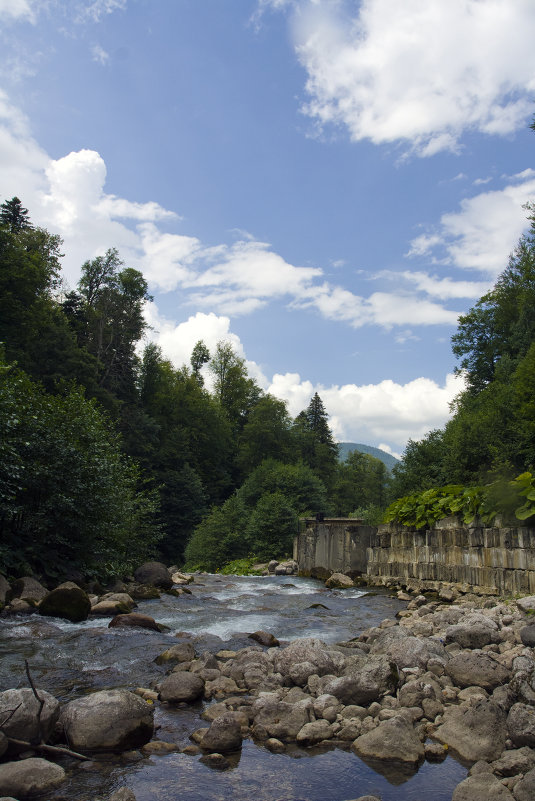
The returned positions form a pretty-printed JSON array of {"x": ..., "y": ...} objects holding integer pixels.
[
  {"x": 143, "y": 592},
  {"x": 67, "y": 601},
  {"x": 265, "y": 638},
  {"x": 155, "y": 574},
  {"x": 224, "y": 735},
  {"x": 183, "y": 652},
  {"x": 521, "y": 724},
  {"x": 23, "y": 724},
  {"x": 339, "y": 581},
  {"x": 527, "y": 635},
  {"x": 278, "y": 719},
  {"x": 123, "y": 794},
  {"x": 108, "y": 720},
  {"x": 481, "y": 787},
  {"x": 181, "y": 687},
  {"x": 314, "y": 732},
  {"x": 113, "y": 603},
  {"x": 511, "y": 763},
  {"x": 133, "y": 620},
  {"x": 305, "y": 650},
  {"x": 526, "y": 604},
  {"x": 411, "y": 652},
  {"x": 415, "y": 692},
  {"x": 28, "y": 589},
  {"x": 475, "y": 732},
  {"x": 31, "y": 777},
  {"x": 365, "y": 681},
  {"x": 392, "y": 740},
  {"x": 525, "y": 789},
  {"x": 474, "y": 631},
  {"x": 476, "y": 669}
]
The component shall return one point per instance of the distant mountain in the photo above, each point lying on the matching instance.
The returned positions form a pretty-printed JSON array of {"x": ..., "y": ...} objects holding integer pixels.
[{"x": 345, "y": 448}]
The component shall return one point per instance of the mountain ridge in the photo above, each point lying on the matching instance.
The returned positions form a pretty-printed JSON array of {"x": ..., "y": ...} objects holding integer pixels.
[{"x": 345, "y": 448}]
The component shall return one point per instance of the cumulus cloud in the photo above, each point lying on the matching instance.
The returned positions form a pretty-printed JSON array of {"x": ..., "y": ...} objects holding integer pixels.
[
  {"x": 387, "y": 411},
  {"x": 422, "y": 72},
  {"x": 481, "y": 234},
  {"x": 17, "y": 9}
]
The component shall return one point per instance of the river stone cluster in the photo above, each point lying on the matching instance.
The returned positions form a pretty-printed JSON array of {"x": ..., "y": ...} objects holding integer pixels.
[{"x": 443, "y": 677}]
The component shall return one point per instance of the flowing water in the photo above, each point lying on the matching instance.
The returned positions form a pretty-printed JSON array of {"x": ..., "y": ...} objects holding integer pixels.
[{"x": 71, "y": 659}]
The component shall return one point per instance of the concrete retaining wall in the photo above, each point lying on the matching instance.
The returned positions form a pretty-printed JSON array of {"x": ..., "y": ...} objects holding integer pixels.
[
  {"x": 484, "y": 560},
  {"x": 334, "y": 545}
]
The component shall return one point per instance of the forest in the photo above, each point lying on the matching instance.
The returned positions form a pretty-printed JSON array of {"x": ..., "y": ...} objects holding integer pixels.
[{"x": 110, "y": 454}]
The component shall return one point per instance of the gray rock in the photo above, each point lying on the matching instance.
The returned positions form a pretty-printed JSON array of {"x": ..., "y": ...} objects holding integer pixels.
[
  {"x": 180, "y": 687},
  {"x": 524, "y": 790},
  {"x": 183, "y": 652},
  {"x": 123, "y": 794},
  {"x": 155, "y": 574},
  {"x": 109, "y": 720},
  {"x": 314, "y": 732},
  {"x": 215, "y": 761},
  {"x": 366, "y": 681},
  {"x": 28, "y": 589},
  {"x": 24, "y": 724},
  {"x": 224, "y": 735},
  {"x": 339, "y": 581},
  {"x": 526, "y": 604},
  {"x": 521, "y": 724},
  {"x": 527, "y": 635},
  {"x": 474, "y": 631},
  {"x": 511, "y": 763},
  {"x": 414, "y": 692},
  {"x": 3, "y": 744},
  {"x": 30, "y": 777},
  {"x": 275, "y": 746},
  {"x": 475, "y": 669},
  {"x": 481, "y": 787},
  {"x": 304, "y": 650},
  {"x": 414, "y": 652},
  {"x": 278, "y": 719},
  {"x": 5, "y": 591},
  {"x": 475, "y": 733},
  {"x": 392, "y": 740},
  {"x": 68, "y": 601},
  {"x": 265, "y": 638}
]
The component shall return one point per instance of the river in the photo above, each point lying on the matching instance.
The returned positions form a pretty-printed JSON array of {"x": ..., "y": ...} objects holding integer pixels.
[{"x": 71, "y": 659}]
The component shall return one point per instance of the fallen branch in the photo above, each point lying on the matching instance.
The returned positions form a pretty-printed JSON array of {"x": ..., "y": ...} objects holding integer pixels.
[
  {"x": 47, "y": 749},
  {"x": 41, "y": 702}
]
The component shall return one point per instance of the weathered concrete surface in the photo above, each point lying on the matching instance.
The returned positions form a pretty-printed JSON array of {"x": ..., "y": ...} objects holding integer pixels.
[
  {"x": 334, "y": 545},
  {"x": 494, "y": 560}
]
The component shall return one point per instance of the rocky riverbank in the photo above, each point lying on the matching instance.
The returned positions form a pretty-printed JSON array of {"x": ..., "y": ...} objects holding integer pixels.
[{"x": 444, "y": 677}]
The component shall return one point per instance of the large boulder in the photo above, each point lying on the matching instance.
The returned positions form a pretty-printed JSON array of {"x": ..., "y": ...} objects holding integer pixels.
[
  {"x": 31, "y": 777},
  {"x": 181, "y": 687},
  {"x": 183, "y": 652},
  {"x": 474, "y": 732},
  {"x": 475, "y": 630},
  {"x": 113, "y": 603},
  {"x": 525, "y": 789},
  {"x": 155, "y": 574},
  {"x": 314, "y": 732},
  {"x": 411, "y": 652},
  {"x": 339, "y": 581},
  {"x": 224, "y": 735},
  {"x": 393, "y": 740},
  {"x": 278, "y": 719},
  {"x": 310, "y": 650},
  {"x": 24, "y": 723},
  {"x": 28, "y": 589},
  {"x": 521, "y": 724},
  {"x": 109, "y": 720},
  {"x": 67, "y": 601},
  {"x": 476, "y": 669},
  {"x": 365, "y": 681},
  {"x": 481, "y": 787},
  {"x": 134, "y": 620}
]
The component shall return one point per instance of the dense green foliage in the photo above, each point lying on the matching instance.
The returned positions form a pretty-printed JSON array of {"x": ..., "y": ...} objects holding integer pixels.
[
  {"x": 110, "y": 454},
  {"x": 491, "y": 435}
]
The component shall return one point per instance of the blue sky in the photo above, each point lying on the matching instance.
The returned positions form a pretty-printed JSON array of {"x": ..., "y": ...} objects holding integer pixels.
[{"x": 327, "y": 184}]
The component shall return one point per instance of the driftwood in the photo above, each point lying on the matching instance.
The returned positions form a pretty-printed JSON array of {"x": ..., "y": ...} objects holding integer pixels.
[{"x": 39, "y": 745}]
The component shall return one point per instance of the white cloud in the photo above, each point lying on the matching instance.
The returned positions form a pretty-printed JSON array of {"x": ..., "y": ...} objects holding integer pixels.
[
  {"x": 445, "y": 288},
  {"x": 387, "y": 411},
  {"x": 17, "y": 9},
  {"x": 94, "y": 10},
  {"x": 421, "y": 72},
  {"x": 481, "y": 235},
  {"x": 100, "y": 55}
]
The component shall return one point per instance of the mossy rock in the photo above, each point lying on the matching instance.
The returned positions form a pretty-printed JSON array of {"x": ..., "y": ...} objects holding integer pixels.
[
  {"x": 67, "y": 601},
  {"x": 143, "y": 592}
]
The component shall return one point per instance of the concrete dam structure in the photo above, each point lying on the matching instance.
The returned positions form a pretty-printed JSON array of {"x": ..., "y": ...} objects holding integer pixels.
[{"x": 493, "y": 560}]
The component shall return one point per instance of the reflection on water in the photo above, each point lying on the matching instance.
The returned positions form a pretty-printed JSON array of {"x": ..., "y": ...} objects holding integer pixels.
[{"x": 70, "y": 659}]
